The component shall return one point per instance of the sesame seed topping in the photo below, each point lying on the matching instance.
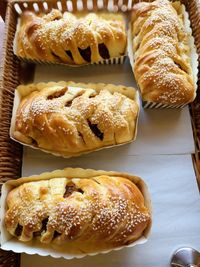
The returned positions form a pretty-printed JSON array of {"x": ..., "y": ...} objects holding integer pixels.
[
  {"x": 162, "y": 55},
  {"x": 55, "y": 35},
  {"x": 72, "y": 118},
  {"x": 107, "y": 209}
]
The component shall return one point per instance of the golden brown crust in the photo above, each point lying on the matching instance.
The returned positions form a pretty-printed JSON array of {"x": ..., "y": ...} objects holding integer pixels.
[
  {"x": 162, "y": 64},
  {"x": 70, "y": 38},
  {"x": 107, "y": 211},
  {"x": 69, "y": 118}
]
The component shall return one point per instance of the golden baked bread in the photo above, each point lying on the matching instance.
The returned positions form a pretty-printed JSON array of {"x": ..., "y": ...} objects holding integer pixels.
[
  {"x": 68, "y": 118},
  {"x": 91, "y": 212},
  {"x": 162, "y": 63},
  {"x": 70, "y": 38}
]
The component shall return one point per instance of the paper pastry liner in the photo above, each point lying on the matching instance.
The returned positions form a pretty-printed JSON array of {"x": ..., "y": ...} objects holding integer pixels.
[
  {"x": 110, "y": 61},
  {"x": 66, "y": 251},
  {"x": 194, "y": 62},
  {"x": 24, "y": 90}
]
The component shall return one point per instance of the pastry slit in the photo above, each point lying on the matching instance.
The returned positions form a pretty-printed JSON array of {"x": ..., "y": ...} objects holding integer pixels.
[
  {"x": 103, "y": 51},
  {"x": 44, "y": 225},
  {"x": 138, "y": 44},
  {"x": 96, "y": 181},
  {"x": 38, "y": 233},
  {"x": 56, "y": 234},
  {"x": 34, "y": 142},
  {"x": 80, "y": 190},
  {"x": 69, "y": 53},
  {"x": 70, "y": 188},
  {"x": 80, "y": 134},
  {"x": 85, "y": 53},
  {"x": 57, "y": 94},
  {"x": 57, "y": 18},
  {"x": 94, "y": 128},
  {"x": 43, "y": 228},
  {"x": 93, "y": 95},
  {"x": 56, "y": 56},
  {"x": 69, "y": 103},
  {"x": 180, "y": 67},
  {"x": 18, "y": 230}
]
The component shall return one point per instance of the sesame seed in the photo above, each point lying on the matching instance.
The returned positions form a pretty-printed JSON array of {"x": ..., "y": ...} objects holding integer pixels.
[
  {"x": 167, "y": 74},
  {"x": 109, "y": 214},
  {"x": 55, "y": 34}
]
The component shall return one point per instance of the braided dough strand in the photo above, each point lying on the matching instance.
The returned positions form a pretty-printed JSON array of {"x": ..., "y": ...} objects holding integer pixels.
[
  {"x": 104, "y": 210},
  {"x": 162, "y": 64},
  {"x": 71, "y": 38}
]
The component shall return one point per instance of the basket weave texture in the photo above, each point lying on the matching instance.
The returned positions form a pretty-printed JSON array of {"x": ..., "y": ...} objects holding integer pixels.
[{"x": 12, "y": 74}]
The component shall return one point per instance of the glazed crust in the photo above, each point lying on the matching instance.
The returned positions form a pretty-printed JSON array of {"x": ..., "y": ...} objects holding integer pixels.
[
  {"x": 69, "y": 119},
  {"x": 162, "y": 65},
  {"x": 70, "y": 38},
  {"x": 105, "y": 210}
]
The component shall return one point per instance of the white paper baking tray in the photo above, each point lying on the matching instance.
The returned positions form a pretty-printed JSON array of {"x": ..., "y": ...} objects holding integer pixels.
[
  {"x": 35, "y": 247},
  {"x": 128, "y": 91},
  {"x": 194, "y": 62},
  {"x": 114, "y": 60}
]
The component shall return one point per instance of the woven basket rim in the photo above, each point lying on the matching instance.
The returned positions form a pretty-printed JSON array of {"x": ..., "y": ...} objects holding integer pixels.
[{"x": 8, "y": 158}]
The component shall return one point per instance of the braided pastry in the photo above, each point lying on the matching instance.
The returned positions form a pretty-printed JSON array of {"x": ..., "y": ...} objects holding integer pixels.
[
  {"x": 162, "y": 53},
  {"x": 70, "y": 38},
  {"x": 91, "y": 212},
  {"x": 69, "y": 119}
]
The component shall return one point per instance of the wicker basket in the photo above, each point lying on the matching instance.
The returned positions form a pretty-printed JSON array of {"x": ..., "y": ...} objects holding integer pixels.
[{"x": 12, "y": 74}]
